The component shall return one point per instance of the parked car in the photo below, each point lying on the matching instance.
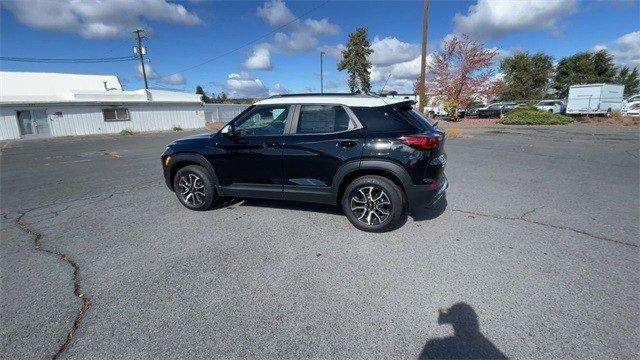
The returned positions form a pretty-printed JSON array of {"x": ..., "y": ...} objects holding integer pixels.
[
  {"x": 472, "y": 110},
  {"x": 496, "y": 110},
  {"x": 628, "y": 103},
  {"x": 594, "y": 99},
  {"x": 371, "y": 156},
  {"x": 552, "y": 106},
  {"x": 633, "y": 110}
]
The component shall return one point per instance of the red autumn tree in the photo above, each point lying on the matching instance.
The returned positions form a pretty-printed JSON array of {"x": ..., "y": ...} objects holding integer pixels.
[{"x": 462, "y": 71}]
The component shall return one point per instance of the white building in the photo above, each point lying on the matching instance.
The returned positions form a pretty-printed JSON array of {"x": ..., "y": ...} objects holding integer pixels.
[{"x": 51, "y": 104}]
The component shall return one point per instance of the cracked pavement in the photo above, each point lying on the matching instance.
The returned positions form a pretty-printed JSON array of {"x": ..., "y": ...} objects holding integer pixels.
[{"x": 539, "y": 235}]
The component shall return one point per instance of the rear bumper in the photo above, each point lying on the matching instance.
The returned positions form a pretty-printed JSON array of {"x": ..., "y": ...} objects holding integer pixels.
[{"x": 423, "y": 195}]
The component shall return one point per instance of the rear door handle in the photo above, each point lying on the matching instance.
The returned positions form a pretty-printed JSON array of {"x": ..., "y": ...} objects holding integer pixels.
[
  {"x": 272, "y": 144},
  {"x": 347, "y": 144}
]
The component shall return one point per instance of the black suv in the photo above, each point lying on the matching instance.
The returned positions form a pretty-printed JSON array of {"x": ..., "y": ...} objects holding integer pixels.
[{"x": 371, "y": 155}]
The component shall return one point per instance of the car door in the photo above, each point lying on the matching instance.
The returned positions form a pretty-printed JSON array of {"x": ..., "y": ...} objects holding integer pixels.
[
  {"x": 322, "y": 138},
  {"x": 249, "y": 158}
]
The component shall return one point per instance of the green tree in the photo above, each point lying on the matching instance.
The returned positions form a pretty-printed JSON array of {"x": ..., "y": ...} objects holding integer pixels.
[
  {"x": 223, "y": 97},
  {"x": 205, "y": 98},
  {"x": 628, "y": 78},
  {"x": 355, "y": 59},
  {"x": 584, "y": 68},
  {"x": 526, "y": 76}
]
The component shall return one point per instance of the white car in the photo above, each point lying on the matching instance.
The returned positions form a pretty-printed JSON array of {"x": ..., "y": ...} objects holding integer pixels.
[
  {"x": 553, "y": 106},
  {"x": 633, "y": 110},
  {"x": 628, "y": 104}
]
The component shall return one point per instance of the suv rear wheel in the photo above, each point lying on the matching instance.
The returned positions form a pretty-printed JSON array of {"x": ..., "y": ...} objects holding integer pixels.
[
  {"x": 194, "y": 188},
  {"x": 373, "y": 203}
]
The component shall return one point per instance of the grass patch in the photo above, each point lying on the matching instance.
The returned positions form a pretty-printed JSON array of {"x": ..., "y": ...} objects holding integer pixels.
[
  {"x": 214, "y": 126},
  {"x": 533, "y": 116},
  {"x": 126, "y": 132},
  {"x": 616, "y": 119},
  {"x": 455, "y": 133},
  {"x": 176, "y": 128}
]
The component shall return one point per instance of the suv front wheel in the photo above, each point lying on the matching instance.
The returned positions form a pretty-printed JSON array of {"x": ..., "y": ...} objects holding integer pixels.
[
  {"x": 373, "y": 203},
  {"x": 194, "y": 188}
]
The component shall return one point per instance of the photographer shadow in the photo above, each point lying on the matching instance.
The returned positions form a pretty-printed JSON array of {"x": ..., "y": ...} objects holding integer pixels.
[{"x": 466, "y": 343}]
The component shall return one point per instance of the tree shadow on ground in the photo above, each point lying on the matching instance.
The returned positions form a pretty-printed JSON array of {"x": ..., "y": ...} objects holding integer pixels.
[{"x": 466, "y": 343}]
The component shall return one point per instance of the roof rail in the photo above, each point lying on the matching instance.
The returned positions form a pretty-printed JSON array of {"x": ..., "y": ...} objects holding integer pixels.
[{"x": 323, "y": 94}]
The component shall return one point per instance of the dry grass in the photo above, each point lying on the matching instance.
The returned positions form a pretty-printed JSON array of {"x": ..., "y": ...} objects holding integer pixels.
[
  {"x": 214, "y": 126},
  {"x": 618, "y": 120},
  {"x": 455, "y": 133}
]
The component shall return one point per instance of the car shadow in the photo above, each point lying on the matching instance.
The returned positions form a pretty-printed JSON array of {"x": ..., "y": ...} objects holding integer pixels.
[
  {"x": 430, "y": 212},
  {"x": 467, "y": 341},
  {"x": 422, "y": 214}
]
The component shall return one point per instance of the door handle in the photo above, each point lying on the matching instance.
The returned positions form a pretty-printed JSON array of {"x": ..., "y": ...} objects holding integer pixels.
[
  {"x": 272, "y": 144},
  {"x": 347, "y": 144}
]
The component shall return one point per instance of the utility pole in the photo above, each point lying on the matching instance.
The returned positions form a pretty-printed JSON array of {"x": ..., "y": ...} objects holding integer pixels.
[
  {"x": 321, "y": 78},
  {"x": 140, "y": 50},
  {"x": 423, "y": 62}
]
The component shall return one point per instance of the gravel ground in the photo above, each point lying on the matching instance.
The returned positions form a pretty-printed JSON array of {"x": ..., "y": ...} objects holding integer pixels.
[{"x": 533, "y": 254}]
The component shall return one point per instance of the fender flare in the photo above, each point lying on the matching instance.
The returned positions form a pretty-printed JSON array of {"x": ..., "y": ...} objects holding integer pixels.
[
  {"x": 195, "y": 158},
  {"x": 383, "y": 165}
]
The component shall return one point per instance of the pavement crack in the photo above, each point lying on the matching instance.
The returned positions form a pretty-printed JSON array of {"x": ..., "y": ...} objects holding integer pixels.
[
  {"x": 77, "y": 289},
  {"x": 536, "y": 222}
]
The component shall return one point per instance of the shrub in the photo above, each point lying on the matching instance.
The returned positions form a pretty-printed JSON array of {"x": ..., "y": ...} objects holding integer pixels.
[
  {"x": 533, "y": 116},
  {"x": 176, "y": 128},
  {"x": 126, "y": 132}
]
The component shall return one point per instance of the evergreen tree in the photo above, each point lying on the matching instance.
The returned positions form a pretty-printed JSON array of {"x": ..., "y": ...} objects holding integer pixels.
[
  {"x": 584, "y": 68},
  {"x": 355, "y": 59},
  {"x": 223, "y": 97},
  {"x": 628, "y": 78},
  {"x": 205, "y": 98},
  {"x": 526, "y": 76}
]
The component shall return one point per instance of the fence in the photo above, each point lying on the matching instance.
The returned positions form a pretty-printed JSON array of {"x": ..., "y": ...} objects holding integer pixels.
[{"x": 222, "y": 112}]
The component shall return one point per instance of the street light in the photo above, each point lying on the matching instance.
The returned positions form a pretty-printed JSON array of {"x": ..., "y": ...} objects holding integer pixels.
[{"x": 321, "y": 79}]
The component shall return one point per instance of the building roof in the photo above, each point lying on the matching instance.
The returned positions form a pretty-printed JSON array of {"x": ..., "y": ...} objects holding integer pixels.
[
  {"x": 47, "y": 88},
  {"x": 341, "y": 99}
]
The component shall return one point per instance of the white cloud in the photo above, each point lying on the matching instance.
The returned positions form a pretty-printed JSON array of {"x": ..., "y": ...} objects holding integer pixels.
[
  {"x": 276, "y": 13},
  {"x": 296, "y": 42},
  {"x": 322, "y": 27},
  {"x": 260, "y": 59},
  {"x": 98, "y": 19},
  {"x": 390, "y": 51},
  {"x": 625, "y": 49},
  {"x": 304, "y": 34},
  {"x": 244, "y": 85},
  {"x": 490, "y": 19},
  {"x": 173, "y": 79},
  {"x": 334, "y": 51},
  {"x": 278, "y": 89}
]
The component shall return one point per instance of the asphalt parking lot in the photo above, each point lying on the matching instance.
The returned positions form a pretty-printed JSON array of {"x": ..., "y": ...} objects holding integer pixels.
[{"x": 534, "y": 254}]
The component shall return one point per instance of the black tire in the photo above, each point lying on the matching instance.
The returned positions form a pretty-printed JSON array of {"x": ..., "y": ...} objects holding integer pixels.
[
  {"x": 356, "y": 193},
  {"x": 190, "y": 183}
]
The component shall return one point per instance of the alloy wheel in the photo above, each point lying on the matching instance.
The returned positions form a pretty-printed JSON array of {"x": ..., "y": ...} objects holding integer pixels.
[
  {"x": 370, "y": 205},
  {"x": 192, "y": 189}
]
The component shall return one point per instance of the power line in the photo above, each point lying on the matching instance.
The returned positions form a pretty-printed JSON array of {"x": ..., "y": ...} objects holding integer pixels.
[
  {"x": 68, "y": 60},
  {"x": 250, "y": 42}
]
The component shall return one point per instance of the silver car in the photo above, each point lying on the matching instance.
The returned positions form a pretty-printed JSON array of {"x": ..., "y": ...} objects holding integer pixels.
[{"x": 553, "y": 106}]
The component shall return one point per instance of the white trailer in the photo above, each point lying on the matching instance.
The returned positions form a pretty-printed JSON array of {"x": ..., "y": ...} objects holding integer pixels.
[{"x": 594, "y": 99}]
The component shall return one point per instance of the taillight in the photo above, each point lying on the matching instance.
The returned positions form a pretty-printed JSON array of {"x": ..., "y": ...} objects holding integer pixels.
[{"x": 421, "y": 142}]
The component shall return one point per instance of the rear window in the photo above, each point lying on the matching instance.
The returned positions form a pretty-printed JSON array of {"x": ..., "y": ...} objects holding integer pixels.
[{"x": 383, "y": 119}]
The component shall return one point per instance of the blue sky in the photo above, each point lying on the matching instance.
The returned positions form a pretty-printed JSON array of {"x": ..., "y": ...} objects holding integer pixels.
[{"x": 285, "y": 58}]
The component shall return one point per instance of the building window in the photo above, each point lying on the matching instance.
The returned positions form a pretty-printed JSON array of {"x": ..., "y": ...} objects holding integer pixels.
[{"x": 116, "y": 114}]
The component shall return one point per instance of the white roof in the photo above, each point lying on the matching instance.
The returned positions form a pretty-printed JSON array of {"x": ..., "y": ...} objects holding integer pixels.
[
  {"x": 348, "y": 100},
  {"x": 33, "y": 88}
]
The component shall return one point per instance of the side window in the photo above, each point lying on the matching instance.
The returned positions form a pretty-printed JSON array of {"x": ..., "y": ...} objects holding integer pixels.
[
  {"x": 263, "y": 120},
  {"x": 382, "y": 119},
  {"x": 319, "y": 119}
]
